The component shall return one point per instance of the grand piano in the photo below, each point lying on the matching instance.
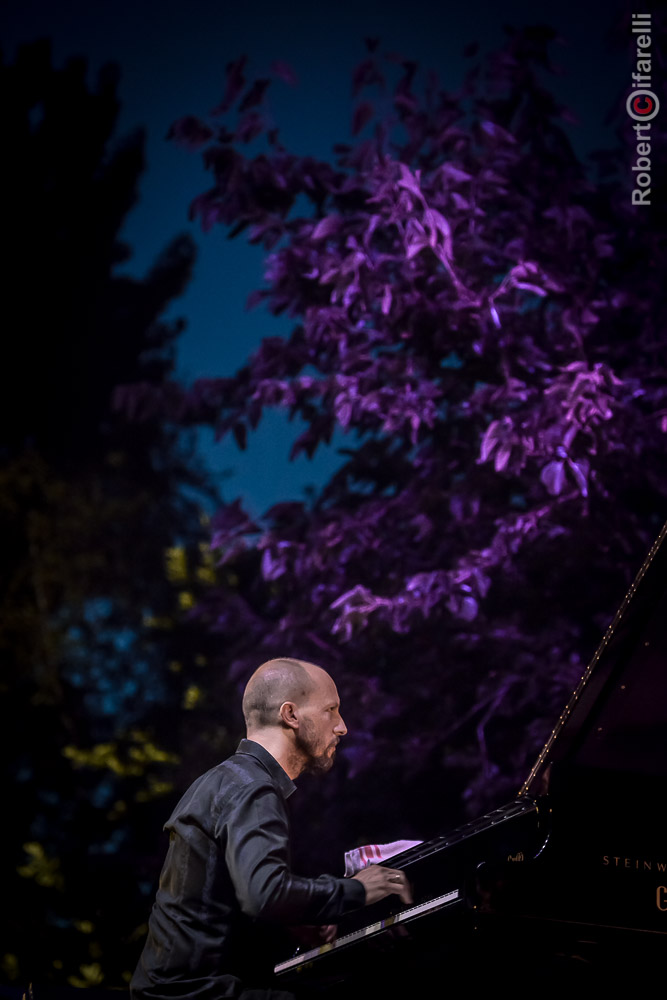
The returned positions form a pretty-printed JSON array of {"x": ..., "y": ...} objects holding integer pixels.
[{"x": 565, "y": 886}]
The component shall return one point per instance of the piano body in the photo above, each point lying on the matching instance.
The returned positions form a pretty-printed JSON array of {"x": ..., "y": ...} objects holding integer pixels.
[{"x": 566, "y": 884}]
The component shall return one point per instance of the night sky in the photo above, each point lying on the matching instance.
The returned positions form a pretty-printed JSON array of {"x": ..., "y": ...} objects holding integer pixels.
[{"x": 172, "y": 57}]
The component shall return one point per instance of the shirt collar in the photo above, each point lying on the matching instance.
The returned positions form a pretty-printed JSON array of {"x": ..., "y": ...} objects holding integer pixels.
[{"x": 285, "y": 784}]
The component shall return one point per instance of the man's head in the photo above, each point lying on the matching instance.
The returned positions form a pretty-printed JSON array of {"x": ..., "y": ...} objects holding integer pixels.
[{"x": 292, "y": 708}]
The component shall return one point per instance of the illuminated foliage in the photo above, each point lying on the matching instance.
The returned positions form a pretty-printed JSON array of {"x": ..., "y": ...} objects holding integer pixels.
[
  {"x": 45, "y": 871},
  {"x": 480, "y": 319}
]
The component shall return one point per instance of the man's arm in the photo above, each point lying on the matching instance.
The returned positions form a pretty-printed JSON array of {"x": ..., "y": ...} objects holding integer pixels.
[{"x": 257, "y": 854}]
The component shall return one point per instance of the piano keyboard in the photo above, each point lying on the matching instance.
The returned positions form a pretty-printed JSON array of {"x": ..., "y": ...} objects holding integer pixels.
[{"x": 380, "y": 925}]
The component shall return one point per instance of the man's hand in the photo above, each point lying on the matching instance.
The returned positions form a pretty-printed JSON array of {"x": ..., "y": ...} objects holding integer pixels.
[{"x": 379, "y": 882}]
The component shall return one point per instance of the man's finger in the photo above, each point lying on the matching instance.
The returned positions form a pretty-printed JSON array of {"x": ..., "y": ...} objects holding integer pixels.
[{"x": 400, "y": 885}]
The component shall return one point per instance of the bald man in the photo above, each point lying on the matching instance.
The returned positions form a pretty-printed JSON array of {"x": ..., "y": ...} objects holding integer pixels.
[{"x": 227, "y": 886}]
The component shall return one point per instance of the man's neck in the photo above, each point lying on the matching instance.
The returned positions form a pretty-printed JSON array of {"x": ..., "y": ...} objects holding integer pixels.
[{"x": 280, "y": 748}]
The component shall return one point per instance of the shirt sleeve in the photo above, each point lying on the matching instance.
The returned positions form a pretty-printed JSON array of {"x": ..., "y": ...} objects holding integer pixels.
[{"x": 256, "y": 835}]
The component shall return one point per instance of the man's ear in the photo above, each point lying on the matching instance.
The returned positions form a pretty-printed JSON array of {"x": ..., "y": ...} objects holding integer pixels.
[{"x": 288, "y": 715}]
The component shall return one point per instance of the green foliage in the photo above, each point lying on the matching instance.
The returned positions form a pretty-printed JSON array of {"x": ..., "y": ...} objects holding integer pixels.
[{"x": 104, "y": 545}]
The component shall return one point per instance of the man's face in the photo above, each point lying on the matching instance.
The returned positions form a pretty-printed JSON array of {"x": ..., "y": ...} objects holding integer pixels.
[{"x": 320, "y": 726}]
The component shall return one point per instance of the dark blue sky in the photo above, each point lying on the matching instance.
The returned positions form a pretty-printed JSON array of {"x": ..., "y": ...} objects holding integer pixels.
[{"x": 172, "y": 57}]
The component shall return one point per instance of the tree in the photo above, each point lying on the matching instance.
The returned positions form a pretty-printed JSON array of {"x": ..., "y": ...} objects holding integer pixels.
[
  {"x": 103, "y": 550},
  {"x": 484, "y": 319}
]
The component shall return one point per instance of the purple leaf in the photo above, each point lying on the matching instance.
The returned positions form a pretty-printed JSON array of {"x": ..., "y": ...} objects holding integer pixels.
[
  {"x": 235, "y": 83},
  {"x": 190, "y": 132},
  {"x": 385, "y": 305},
  {"x": 502, "y": 457},
  {"x": 251, "y": 125},
  {"x": 579, "y": 471},
  {"x": 450, "y": 170},
  {"x": 553, "y": 477},
  {"x": 362, "y": 115},
  {"x": 272, "y": 568},
  {"x": 492, "y": 129},
  {"x": 489, "y": 440},
  {"x": 255, "y": 95},
  {"x": 326, "y": 227},
  {"x": 535, "y": 289},
  {"x": 241, "y": 434},
  {"x": 461, "y": 203}
]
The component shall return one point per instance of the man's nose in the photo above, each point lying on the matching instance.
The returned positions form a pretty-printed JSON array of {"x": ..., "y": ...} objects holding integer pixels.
[{"x": 340, "y": 728}]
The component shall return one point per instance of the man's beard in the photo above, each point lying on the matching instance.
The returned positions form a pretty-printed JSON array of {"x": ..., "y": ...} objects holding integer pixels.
[{"x": 316, "y": 763}]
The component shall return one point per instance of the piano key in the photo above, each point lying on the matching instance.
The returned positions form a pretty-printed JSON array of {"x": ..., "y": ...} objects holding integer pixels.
[{"x": 402, "y": 917}]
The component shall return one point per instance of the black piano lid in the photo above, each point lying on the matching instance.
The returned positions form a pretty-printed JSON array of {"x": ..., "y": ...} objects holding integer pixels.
[{"x": 616, "y": 719}]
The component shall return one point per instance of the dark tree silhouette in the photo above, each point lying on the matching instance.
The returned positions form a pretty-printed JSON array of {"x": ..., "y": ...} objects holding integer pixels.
[
  {"x": 103, "y": 550},
  {"x": 484, "y": 316}
]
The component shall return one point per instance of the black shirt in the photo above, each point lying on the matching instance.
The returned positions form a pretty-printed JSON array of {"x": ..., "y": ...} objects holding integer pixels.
[{"x": 226, "y": 880}]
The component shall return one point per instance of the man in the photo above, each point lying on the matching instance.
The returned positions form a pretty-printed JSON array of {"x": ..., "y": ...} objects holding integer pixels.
[{"x": 227, "y": 885}]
